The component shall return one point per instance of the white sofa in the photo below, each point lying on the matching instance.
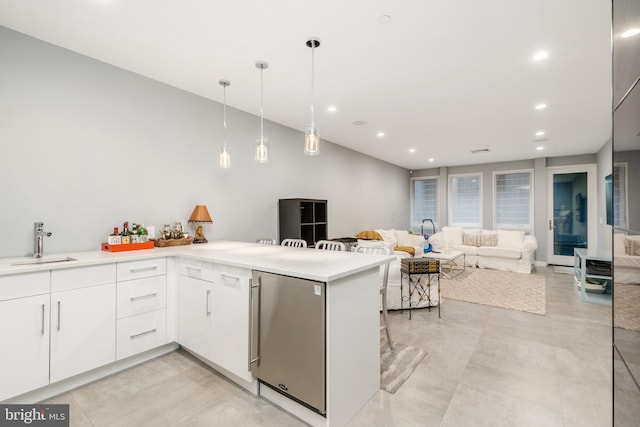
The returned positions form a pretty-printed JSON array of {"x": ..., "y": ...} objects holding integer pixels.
[
  {"x": 499, "y": 250},
  {"x": 393, "y": 239},
  {"x": 626, "y": 261}
]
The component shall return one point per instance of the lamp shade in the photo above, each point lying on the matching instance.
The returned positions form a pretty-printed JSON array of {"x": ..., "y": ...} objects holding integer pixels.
[{"x": 200, "y": 214}]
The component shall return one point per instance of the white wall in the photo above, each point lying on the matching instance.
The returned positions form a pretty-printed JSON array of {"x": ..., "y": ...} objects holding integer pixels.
[{"x": 86, "y": 146}]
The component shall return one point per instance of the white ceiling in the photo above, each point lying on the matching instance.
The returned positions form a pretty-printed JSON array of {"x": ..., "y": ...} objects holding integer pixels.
[{"x": 443, "y": 77}]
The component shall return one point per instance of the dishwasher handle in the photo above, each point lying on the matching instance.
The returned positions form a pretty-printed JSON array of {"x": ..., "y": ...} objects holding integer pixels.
[{"x": 254, "y": 322}]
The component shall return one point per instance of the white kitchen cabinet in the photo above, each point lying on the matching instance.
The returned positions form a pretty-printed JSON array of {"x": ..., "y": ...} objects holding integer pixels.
[
  {"x": 195, "y": 326},
  {"x": 141, "y": 306},
  {"x": 230, "y": 317},
  {"x": 214, "y": 314},
  {"x": 141, "y": 332},
  {"x": 24, "y": 328},
  {"x": 83, "y": 320}
]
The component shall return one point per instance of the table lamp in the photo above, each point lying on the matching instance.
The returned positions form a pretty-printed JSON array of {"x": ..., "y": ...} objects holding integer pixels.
[{"x": 199, "y": 216}]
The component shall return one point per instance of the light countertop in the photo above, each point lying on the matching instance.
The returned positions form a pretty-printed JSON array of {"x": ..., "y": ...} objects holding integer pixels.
[{"x": 306, "y": 263}]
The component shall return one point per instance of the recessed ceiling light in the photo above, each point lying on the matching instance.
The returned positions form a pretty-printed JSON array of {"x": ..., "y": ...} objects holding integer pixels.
[
  {"x": 359, "y": 123},
  {"x": 541, "y": 106},
  {"x": 412, "y": 150},
  {"x": 432, "y": 160},
  {"x": 630, "y": 33},
  {"x": 540, "y": 133},
  {"x": 540, "y": 148},
  {"x": 380, "y": 134},
  {"x": 384, "y": 19},
  {"x": 539, "y": 56},
  {"x": 332, "y": 109}
]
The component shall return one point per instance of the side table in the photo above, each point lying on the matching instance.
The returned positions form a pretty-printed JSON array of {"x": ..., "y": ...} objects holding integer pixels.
[
  {"x": 418, "y": 271},
  {"x": 449, "y": 261}
]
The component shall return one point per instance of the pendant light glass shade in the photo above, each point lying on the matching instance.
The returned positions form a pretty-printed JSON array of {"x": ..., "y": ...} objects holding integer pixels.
[
  {"x": 311, "y": 141},
  {"x": 225, "y": 158},
  {"x": 311, "y": 134},
  {"x": 262, "y": 148},
  {"x": 225, "y": 155}
]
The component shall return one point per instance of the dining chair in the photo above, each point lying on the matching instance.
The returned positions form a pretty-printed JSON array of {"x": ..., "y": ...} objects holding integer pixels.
[
  {"x": 294, "y": 243},
  {"x": 329, "y": 245},
  {"x": 266, "y": 241},
  {"x": 381, "y": 250}
]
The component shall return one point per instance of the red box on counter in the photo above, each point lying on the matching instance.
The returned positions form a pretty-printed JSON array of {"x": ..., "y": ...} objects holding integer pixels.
[{"x": 126, "y": 247}]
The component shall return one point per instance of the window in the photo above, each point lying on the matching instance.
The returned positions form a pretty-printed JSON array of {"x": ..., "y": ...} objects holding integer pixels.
[
  {"x": 513, "y": 200},
  {"x": 465, "y": 200},
  {"x": 425, "y": 202},
  {"x": 620, "y": 195}
]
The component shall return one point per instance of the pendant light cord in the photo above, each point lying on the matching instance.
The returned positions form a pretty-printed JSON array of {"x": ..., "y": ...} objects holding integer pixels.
[
  {"x": 261, "y": 110},
  {"x": 312, "y": 82},
  {"x": 224, "y": 114}
]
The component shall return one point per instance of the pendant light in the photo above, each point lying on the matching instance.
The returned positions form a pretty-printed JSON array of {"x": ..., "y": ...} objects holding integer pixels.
[
  {"x": 225, "y": 156},
  {"x": 262, "y": 142},
  {"x": 311, "y": 135}
]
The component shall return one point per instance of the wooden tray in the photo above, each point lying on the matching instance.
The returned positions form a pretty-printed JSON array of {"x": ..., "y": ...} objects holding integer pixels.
[
  {"x": 126, "y": 247},
  {"x": 161, "y": 243}
]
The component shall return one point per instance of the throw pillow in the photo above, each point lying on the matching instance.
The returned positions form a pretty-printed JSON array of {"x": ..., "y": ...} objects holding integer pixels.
[
  {"x": 408, "y": 249},
  {"x": 402, "y": 236},
  {"x": 632, "y": 246},
  {"x": 452, "y": 234},
  {"x": 510, "y": 239},
  {"x": 388, "y": 236},
  {"x": 471, "y": 238},
  {"x": 368, "y": 235},
  {"x": 489, "y": 238}
]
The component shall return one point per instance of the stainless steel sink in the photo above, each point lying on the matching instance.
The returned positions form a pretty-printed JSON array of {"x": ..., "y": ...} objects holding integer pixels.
[{"x": 47, "y": 260}]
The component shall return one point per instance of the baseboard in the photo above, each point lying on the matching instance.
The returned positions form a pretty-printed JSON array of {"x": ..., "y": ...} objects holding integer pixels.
[
  {"x": 85, "y": 378},
  {"x": 540, "y": 263}
]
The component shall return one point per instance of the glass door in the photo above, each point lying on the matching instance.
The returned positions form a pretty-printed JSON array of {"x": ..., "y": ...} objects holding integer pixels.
[{"x": 571, "y": 217}]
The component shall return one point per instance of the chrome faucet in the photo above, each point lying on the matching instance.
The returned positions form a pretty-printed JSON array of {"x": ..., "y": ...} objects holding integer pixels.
[{"x": 38, "y": 239}]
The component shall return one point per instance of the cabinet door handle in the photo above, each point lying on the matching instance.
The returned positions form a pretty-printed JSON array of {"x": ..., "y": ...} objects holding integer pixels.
[
  {"x": 208, "y": 298},
  {"x": 42, "y": 330},
  {"x": 254, "y": 323},
  {"x": 150, "y": 331},
  {"x": 58, "y": 314},
  {"x": 551, "y": 226},
  {"x": 143, "y": 269},
  {"x": 226, "y": 276},
  {"x": 143, "y": 296}
]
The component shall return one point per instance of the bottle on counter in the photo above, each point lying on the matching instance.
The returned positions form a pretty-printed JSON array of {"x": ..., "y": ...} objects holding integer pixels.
[
  {"x": 114, "y": 238},
  {"x": 126, "y": 234}
]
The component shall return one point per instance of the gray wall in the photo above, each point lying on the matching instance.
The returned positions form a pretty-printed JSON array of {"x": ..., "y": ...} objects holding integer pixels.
[
  {"x": 86, "y": 146},
  {"x": 539, "y": 167}
]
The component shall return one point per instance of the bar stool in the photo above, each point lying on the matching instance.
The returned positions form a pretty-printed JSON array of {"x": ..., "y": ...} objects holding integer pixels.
[
  {"x": 294, "y": 243},
  {"x": 381, "y": 250},
  {"x": 330, "y": 245}
]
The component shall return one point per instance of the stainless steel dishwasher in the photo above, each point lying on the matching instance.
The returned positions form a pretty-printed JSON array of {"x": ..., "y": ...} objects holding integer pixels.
[{"x": 288, "y": 337}]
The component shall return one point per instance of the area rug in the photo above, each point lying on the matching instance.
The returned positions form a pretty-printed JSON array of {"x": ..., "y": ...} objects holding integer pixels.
[
  {"x": 398, "y": 365},
  {"x": 626, "y": 300},
  {"x": 516, "y": 291}
]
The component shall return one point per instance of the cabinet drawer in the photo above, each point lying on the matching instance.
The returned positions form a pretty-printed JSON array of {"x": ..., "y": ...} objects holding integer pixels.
[
  {"x": 24, "y": 285},
  {"x": 139, "y": 333},
  {"x": 230, "y": 271},
  {"x": 141, "y": 295},
  {"x": 198, "y": 269},
  {"x": 79, "y": 277},
  {"x": 139, "y": 269}
]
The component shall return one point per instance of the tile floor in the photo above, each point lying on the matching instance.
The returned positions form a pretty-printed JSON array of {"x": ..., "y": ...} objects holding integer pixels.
[{"x": 486, "y": 367}]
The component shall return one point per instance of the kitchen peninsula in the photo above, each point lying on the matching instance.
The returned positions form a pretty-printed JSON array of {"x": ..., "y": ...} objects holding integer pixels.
[{"x": 129, "y": 307}]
